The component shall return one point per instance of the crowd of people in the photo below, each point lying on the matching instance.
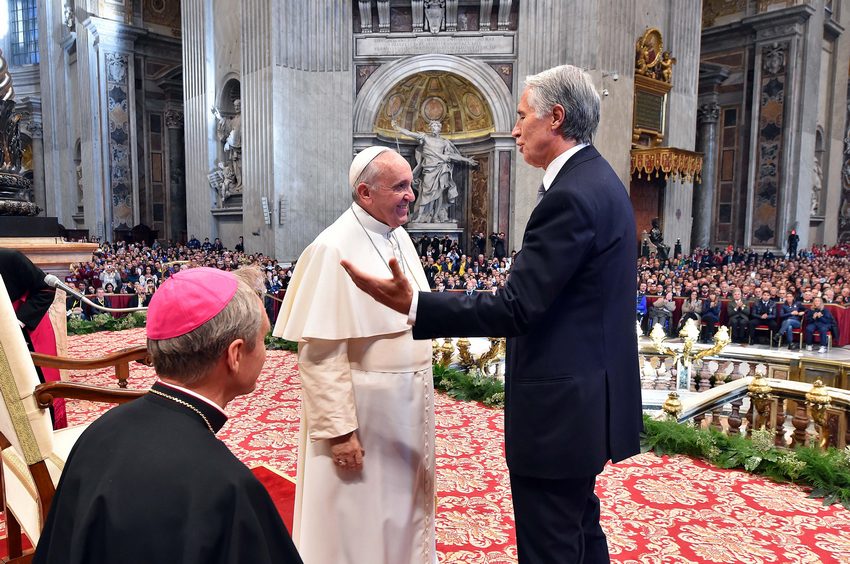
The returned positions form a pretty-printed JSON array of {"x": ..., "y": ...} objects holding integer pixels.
[
  {"x": 138, "y": 270},
  {"x": 448, "y": 268},
  {"x": 781, "y": 293},
  {"x": 755, "y": 290}
]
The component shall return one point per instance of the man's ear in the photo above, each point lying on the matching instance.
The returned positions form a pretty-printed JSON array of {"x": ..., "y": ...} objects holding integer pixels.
[
  {"x": 363, "y": 192},
  {"x": 234, "y": 353},
  {"x": 558, "y": 116}
]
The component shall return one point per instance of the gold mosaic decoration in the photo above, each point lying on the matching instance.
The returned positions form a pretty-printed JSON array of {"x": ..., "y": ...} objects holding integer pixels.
[{"x": 435, "y": 95}]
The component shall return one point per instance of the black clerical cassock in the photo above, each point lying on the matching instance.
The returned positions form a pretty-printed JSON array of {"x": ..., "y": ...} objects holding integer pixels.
[{"x": 150, "y": 482}]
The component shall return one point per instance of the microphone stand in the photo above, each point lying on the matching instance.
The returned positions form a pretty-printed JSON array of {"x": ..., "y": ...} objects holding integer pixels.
[{"x": 54, "y": 282}]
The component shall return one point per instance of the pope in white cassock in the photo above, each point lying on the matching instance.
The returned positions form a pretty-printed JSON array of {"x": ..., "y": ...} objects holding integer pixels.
[{"x": 365, "y": 486}]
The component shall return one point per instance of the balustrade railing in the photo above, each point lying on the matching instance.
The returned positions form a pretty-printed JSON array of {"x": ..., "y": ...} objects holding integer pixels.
[{"x": 819, "y": 415}]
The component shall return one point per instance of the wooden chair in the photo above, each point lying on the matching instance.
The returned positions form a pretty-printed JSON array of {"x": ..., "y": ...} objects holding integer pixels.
[
  {"x": 33, "y": 453},
  {"x": 765, "y": 327}
]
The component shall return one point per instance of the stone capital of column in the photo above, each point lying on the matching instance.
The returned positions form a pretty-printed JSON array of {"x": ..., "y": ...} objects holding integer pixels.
[
  {"x": 34, "y": 128},
  {"x": 112, "y": 34},
  {"x": 174, "y": 119},
  {"x": 708, "y": 113}
]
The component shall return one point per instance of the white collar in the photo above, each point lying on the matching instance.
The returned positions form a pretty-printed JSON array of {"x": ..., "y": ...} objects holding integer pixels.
[
  {"x": 194, "y": 395},
  {"x": 370, "y": 223},
  {"x": 558, "y": 163}
]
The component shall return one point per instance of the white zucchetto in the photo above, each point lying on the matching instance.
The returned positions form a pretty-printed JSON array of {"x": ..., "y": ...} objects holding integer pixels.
[{"x": 361, "y": 161}]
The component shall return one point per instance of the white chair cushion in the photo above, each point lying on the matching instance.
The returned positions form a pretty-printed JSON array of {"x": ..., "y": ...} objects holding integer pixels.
[{"x": 20, "y": 488}]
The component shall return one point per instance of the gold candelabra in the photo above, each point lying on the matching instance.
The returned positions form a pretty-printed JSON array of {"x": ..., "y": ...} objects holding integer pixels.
[
  {"x": 690, "y": 333},
  {"x": 760, "y": 394},
  {"x": 465, "y": 356},
  {"x": 689, "y": 354},
  {"x": 818, "y": 400}
]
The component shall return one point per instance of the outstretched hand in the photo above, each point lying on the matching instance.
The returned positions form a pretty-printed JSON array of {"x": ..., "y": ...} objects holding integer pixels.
[{"x": 395, "y": 293}]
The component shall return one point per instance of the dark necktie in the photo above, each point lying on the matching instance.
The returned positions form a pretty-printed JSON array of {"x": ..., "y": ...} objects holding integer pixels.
[{"x": 541, "y": 191}]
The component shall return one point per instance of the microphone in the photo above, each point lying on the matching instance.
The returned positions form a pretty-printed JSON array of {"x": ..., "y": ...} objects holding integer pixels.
[{"x": 55, "y": 283}]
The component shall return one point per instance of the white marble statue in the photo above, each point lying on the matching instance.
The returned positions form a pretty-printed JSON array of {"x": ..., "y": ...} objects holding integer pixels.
[
  {"x": 229, "y": 133},
  {"x": 432, "y": 176},
  {"x": 817, "y": 185}
]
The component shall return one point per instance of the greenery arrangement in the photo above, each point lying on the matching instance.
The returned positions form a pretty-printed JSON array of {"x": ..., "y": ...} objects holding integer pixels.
[
  {"x": 105, "y": 322},
  {"x": 469, "y": 386},
  {"x": 826, "y": 472},
  {"x": 276, "y": 344}
]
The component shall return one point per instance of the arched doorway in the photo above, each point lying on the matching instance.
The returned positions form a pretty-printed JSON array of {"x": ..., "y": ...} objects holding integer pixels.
[{"x": 474, "y": 109}]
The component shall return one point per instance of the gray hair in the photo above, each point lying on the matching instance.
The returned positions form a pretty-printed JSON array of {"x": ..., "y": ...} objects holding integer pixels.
[
  {"x": 571, "y": 88},
  {"x": 188, "y": 358},
  {"x": 369, "y": 175}
]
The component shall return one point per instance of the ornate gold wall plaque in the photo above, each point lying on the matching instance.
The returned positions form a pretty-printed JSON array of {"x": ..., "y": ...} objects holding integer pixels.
[{"x": 653, "y": 80}]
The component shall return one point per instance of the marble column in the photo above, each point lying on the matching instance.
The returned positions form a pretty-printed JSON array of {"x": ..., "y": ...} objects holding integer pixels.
[
  {"x": 484, "y": 15},
  {"x": 504, "y": 20},
  {"x": 35, "y": 131},
  {"x": 365, "y": 7},
  {"x": 176, "y": 222},
  {"x": 58, "y": 178},
  {"x": 383, "y": 16},
  {"x": 199, "y": 128},
  {"x": 417, "y": 8},
  {"x": 703, "y": 206},
  {"x": 593, "y": 34},
  {"x": 451, "y": 16},
  {"x": 297, "y": 140}
]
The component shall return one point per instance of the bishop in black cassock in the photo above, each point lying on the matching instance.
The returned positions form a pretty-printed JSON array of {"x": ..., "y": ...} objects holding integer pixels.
[{"x": 149, "y": 482}]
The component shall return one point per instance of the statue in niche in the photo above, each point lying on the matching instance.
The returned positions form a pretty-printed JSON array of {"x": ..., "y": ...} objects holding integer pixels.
[
  {"x": 229, "y": 133},
  {"x": 79, "y": 184},
  {"x": 432, "y": 176},
  {"x": 656, "y": 237},
  {"x": 817, "y": 185},
  {"x": 223, "y": 180}
]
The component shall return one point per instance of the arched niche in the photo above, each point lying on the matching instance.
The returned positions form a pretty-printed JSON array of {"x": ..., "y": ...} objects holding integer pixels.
[
  {"x": 493, "y": 90},
  {"x": 230, "y": 92},
  {"x": 445, "y": 97}
]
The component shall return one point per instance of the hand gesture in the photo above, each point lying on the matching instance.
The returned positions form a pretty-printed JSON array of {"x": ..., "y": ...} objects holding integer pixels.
[{"x": 395, "y": 292}]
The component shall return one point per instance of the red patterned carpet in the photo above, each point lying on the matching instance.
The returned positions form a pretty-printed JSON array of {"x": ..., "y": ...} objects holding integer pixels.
[{"x": 655, "y": 510}]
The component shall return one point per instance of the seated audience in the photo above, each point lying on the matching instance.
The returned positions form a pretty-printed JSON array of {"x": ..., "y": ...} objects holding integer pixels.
[
  {"x": 100, "y": 299},
  {"x": 763, "y": 312},
  {"x": 738, "y": 313},
  {"x": 691, "y": 309},
  {"x": 710, "y": 317},
  {"x": 820, "y": 320},
  {"x": 662, "y": 310},
  {"x": 791, "y": 314}
]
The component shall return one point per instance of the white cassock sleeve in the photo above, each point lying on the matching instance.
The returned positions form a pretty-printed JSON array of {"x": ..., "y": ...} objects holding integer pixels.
[{"x": 327, "y": 391}]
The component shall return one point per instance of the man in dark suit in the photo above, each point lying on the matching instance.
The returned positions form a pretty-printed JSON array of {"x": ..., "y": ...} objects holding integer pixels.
[
  {"x": 763, "y": 312},
  {"x": 572, "y": 388}
]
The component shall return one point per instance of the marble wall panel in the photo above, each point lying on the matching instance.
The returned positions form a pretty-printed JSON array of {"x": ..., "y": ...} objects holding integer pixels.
[
  {"x": 479, "y": 198},
  {"x": 844, "y": 210},
  {"x": 771, "y": 119},
  {"x": 118, "y": 117}
]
